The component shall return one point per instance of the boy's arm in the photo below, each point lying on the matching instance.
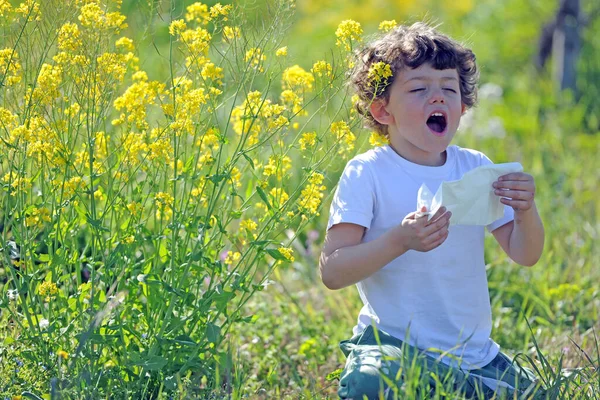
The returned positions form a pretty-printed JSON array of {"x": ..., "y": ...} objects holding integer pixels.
[
  {"x": 345, "y": 260},
  {"x": 523, "y": 238}
]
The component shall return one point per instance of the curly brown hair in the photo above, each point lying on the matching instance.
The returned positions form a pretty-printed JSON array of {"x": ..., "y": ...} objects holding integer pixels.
[{"x": 410, "y": 47}]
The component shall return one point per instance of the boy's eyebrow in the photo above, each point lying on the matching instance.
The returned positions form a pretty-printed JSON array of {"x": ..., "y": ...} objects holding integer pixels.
[{"x": 427, "y": 78}]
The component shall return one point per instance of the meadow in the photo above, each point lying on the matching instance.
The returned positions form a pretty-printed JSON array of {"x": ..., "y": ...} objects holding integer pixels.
[{"x": 166, "y": 170}]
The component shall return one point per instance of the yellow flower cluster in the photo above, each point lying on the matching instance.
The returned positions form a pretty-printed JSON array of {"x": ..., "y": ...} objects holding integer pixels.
[
  {"x": 190, "y": 103},
  {"x": 256, "y": 58},
  {"x": 99, "y": 150},
  {"x": 342, "y": 132},
  {"x": 29, "y": 9},
  {"x": 322, "y": 69},
  {"x": 136, "y": 99},
  {"x": 125, "y": 43},
  {"x": 198, "y": 13},
  {"x": 5, "y": 8},
  {"x": 212, "y": 72},
  {"x": 248, "y": 225},
  {"x": 278, "y": 165},
  {"x": 17, "y": 182},
  {"x": 8, "y": 121},
  {"x": 69, "y": 37},
  {"x": 278, "y": 197},
  {"x": 311, "y": 196},
  {"x": 281, "y": 52},
  {"x": 386, "y": 26},
  {"x": 377, "y": 139},
  {"x": 307, "y": 140},
  {"x": 231, "y": 33},
  {"x": 287, "y": 252},
  {"x": 232, "y": 257},
  {"x": 37, "y": 217},
  {"x": 164, "y": 205},
  {"x": 10, "y": 69},
  {"x": 378, "y": 75},
  {"x": 134, "y": 147},
  {"x": 48, "y": 84},
  {"x": 135, "y": 208},
  {"x": 93, "y": 17},
  {"x": 47, "y": 289},
  {"x": 297, "y": 79},
  {"x": 347, "y": 32},
  {"x": 248, "y": 117}
]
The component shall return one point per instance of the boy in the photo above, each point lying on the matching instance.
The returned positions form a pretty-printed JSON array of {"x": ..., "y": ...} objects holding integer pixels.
[{"x": 424, "y": 287}]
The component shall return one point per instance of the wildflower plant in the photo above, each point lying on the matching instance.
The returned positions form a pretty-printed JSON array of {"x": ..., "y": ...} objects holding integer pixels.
[{"x": 139, "y": 214}]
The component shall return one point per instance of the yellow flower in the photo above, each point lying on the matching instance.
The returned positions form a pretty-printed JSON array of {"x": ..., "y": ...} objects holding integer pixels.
[
  {"x": 322, "y": 68},
  {"x": 129, "y": 239},
  {"x": 93, "y": 17},
  {"x": 311, "y": 195},
  {"x": 278, "y": 165},
  {"x": 282, "y": 51},
  {"x": 342, "y": 132},
  {"x": 278, "y": 197},
  {"x": 197, "y": 41},
  {"x": 125, "y": 43},
  {"x": 386, "y": 26},
  {"x": 68, "y": 37},
  {"x": 163, "y": 202},
  {"x": 29, "y": 9},
  {"x": 378, "y": 75},
  {"x": 9, "y": 65},
  {"x": 347, "y": 32},
  {"x": 287, "y": 252},
  {"x": 220, "y": 10},
  {"x": 211, "y": 71},
  {"x": 308, "y": 139},
  {"x": 177, "y": 27},
  {"x": 296, "y": 78},
  {"x": 47, "y": 289},
  {"x": 232, "y": 257},
  {"x": 255, "y": 57},
  {"x": 377, "y": 139},
  {"x": 134, "y": 208},
  {"x": 5, "y": 8},
  {"x": 231, "y": 32},
  {"x": 198, "y": 12},
  {"x": 62, "y": 354},
  {"x": 249, "y": 225}
]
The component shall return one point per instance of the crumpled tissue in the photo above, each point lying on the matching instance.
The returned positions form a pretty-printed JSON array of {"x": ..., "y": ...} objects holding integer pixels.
[{"x": 471, "y": 199}]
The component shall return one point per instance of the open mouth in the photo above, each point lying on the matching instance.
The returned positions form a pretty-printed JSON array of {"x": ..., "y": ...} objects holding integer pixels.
[{"x": 437, "y": 123}]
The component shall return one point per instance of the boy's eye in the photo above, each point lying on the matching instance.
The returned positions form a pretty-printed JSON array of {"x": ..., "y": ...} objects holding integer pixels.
[
  {"x": 450, "y": 89},
  {"x": 417, "y": 90}
]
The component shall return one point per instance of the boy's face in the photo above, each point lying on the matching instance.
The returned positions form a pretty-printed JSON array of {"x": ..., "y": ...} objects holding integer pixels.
[{"x": 423, "y": 112}]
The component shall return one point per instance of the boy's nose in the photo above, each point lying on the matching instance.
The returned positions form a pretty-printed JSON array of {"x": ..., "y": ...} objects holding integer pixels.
[{"x": 437, "y": 97}]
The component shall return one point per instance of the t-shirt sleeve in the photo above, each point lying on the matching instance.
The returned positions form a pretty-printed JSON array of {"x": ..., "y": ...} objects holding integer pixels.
[
  {"x": 509, "y": 213},
  {"x": 353, "y": 200}
]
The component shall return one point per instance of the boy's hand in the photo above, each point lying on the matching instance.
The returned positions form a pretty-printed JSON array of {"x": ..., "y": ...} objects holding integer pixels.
[
  {"x": 516, "y": 190},
  {"x": 422, "y": 235}
]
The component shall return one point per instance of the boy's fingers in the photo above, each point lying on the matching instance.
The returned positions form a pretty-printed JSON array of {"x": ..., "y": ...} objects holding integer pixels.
[
  {"x": 440, "y": 223},
  {"x": 516, "y": 176},
  {"x": 438, "y": 214},
  {"x": 518, "y": 185},
  {"x": 515, "y": 194}
]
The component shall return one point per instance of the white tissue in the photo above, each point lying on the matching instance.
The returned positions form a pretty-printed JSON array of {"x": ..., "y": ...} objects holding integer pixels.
[{"x": 471, "y": 199}]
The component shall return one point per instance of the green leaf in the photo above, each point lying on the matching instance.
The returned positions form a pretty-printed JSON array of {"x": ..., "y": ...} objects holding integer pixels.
[
  {"x": 213, "y": 332},
  {"x": 276, "y": 254},
  {"x": 249, "y": 160},
  {"x": 264, "y": 197},
  {"x": 153, "y": 363}
]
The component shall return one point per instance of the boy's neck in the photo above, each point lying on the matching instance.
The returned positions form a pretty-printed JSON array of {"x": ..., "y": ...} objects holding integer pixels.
[{"x": 417, "y": 156}]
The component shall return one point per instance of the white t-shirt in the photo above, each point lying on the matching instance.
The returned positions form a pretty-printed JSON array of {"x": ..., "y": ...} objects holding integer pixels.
[{"x": 432, "y": 300}]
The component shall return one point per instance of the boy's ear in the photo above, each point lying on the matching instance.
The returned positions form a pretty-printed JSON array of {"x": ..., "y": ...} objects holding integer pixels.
[
  {"x": 379, "y": 112},
  {"x": 463, "y": 109}
]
